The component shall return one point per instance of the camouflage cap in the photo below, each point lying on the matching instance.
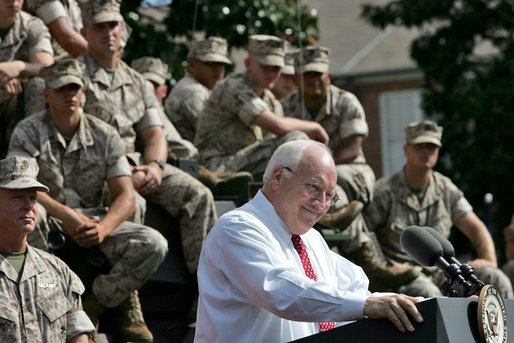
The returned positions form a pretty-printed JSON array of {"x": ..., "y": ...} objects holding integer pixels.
[
  {"x": 153, "y": 69},
  {"x": 423, "y": 132},
  {"x": 312, "y": 58},
  {"x": 62, "y": 72},
  {"x": 288, "y": 68},
  {"x": 100, "y": 11},
  {"x": 268, "y": 50},
  {"x": 212, "y": 49},
  {"x": 17, "y": 172}
]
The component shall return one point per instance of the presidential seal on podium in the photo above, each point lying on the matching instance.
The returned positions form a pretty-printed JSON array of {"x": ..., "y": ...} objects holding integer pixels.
[{"x": 492, "y": 316}]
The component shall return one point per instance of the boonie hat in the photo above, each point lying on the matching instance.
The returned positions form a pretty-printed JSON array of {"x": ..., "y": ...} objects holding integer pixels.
[
  {"x": 153, "y": 69},
  {"x": 63, "y": 72},
  {"x": 212, "y": 49},
  {"x": 17, "y": 172},
  {"x": 268, "y": 50},
  {"x": 425, "y": 131},
  {"x": 312, "y": 58},
  {"x": 101, "y": 11}
]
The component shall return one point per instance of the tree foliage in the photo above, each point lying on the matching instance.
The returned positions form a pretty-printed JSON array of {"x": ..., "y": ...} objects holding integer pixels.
[
  {"x": 470, "y": 94},
  {"x": 233, "y": 20}
]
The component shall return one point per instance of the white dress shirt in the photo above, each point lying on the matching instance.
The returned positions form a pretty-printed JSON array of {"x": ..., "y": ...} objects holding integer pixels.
[{"x": 253, "y": 287}]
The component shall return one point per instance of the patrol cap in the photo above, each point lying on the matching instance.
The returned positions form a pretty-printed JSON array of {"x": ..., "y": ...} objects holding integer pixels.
[
  {"x": 423, "y": 132},
  {"x": 312, "y": 58},
  {"x": 268, "y": 50},
  {"x": 17, "y": 172},
  {"x": 288, "y": 68},
  {"x": 63, "y": 72},
  {"x": 101, "y": 11},
  {"x": 153, "y": 69},
  {"x": 212, "y": 49}
]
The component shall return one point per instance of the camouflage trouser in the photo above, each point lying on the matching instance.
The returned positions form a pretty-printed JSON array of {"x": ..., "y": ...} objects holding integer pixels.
[
  {"x": 182, "y": 195},
  {"x": 133, "y": 250},
  {"x": 430, "y": 286},
  {"x": 254, "y": 158},
  {"x": 357, "y": 180}
]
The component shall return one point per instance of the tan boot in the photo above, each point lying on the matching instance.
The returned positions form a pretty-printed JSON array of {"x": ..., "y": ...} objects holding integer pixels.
[
  {"x": 93, "y": 308},
  {"x": 343, "y": 218},
  {"x": 383, "y": 275},
  {"x": 207, "y": 177},
  {"x": 131, "y": 324}
]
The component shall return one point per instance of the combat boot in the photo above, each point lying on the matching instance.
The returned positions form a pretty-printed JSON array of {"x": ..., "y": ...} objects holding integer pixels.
[
  {"x": 342, "y": 218},
  {"x": 93, "y": 308},
  {"x": 207, "y": 177},
  {"x": 130, "y": 321},
  {"x": 383, "y": 275}
]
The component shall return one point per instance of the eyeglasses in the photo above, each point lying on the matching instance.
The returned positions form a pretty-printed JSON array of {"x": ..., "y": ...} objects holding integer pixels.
[{"x": 315, "y": 192}]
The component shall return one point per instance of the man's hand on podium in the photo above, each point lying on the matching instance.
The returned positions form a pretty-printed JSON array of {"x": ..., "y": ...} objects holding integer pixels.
[{"x": 396, "y": 308}]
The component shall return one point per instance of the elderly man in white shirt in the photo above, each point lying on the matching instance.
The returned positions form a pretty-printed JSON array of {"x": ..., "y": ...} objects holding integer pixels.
[{"x": 254, "y": 284}]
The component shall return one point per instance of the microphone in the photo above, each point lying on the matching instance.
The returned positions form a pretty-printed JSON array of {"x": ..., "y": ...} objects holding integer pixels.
[
  {"x": 427, "y": 250},
  {"x": 449, "y": 254}
]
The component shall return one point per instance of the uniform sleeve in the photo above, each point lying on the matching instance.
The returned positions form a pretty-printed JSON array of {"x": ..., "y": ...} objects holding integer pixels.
[
  {"x": 152, "y": 116},
  {"x": 23, "y": 141},
  {"x": 354, "y": 119},
  {"x": 38, "y": 37},
  {"x": 242, "y": 99},
  {"x": 47, "y": 10},
  {"x": 117, "y": 163},
  {"x": 459, "y": 204},
  {"x": 77, "y": 319}
]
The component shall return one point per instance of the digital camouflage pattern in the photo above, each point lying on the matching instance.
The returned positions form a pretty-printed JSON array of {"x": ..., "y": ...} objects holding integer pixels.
[
  {"x": 19, "y": 172},
  {"x": 153, "y": 69},
  {"x": 51, "y": 10},
  {"x": 184, "y": 105},
  {"x": 341, "y": 116},
  {"x": 100, "y": 11},
  {"x": 122, "y": 101},
  {"x": 395, "y": 207},
  {"x": 423, "y": 132},
  {"x": 212, "y": 49},
  {"x": 268, "y": 50},
  {"x": 226, "y": 136},
  {"x": 312, "y": 58},
  {"x": 64, "y": 72},
  {"x": 43, "y": 305},
  {"x": 75, "y": 172}
]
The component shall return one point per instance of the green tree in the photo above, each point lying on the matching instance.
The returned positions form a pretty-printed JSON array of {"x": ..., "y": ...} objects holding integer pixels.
[
  {"x": 470, "y": 95},
  {"x": 233, "y": 20}
]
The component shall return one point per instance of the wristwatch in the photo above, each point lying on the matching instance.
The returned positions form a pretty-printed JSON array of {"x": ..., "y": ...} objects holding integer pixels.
[{"x": 159, "y": 163}]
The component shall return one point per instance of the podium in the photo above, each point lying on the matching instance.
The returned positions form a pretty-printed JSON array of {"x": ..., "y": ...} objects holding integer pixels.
[{"x": 452, "y": 320}]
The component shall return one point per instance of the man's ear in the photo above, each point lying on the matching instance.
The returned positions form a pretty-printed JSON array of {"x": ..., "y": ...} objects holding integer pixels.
[{"x": 276, "y": 176}]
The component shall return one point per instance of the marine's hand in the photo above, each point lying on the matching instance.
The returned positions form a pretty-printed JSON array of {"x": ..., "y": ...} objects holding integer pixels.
[{"x": 396, "y": 308}]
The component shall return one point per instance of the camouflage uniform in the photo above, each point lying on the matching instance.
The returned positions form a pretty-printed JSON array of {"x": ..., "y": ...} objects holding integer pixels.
[
  {"x": 187, "y": 98},
  {"x": 184, "y": 105},
  {"x": 123, "y": 101},
  {"x": 226, "y": 136},
  {"x": 75, "y": 172},
  {"x": 395, "y": 207},
  {"x": 51, "y": 10},
  {"x": 154, "y": 70},
  {"x": 43, "y": 305},
  {"x": 23, "y": 40},
  {"x": 342, "y": 116}
]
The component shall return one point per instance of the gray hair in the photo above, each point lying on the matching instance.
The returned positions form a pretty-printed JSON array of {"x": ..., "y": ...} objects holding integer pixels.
[{"x": 289, "y": 155}]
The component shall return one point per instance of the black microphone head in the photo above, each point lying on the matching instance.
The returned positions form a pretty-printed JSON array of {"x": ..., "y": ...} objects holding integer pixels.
[
  {"x": 421, "y": 245},
  {"x": 448, "y": 250}
]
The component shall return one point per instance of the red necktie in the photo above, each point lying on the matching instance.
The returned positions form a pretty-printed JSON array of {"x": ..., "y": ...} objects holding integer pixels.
[{"x": 306, "y": 262}]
